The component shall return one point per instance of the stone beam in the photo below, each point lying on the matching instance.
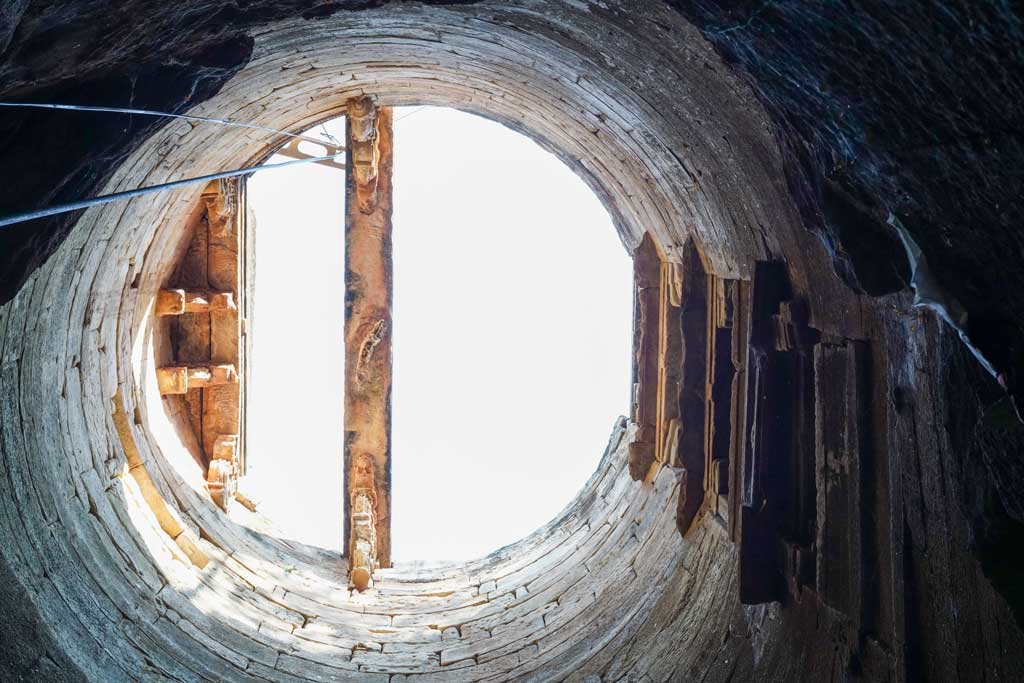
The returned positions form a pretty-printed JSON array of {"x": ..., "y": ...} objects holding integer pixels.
[
  {"x": 181, "y": 301},
  {"x": 692, "y": 394},
  {"x": 368, "y": 287},
  {"x": 179, "y": 379},
  {"x": 646, "y": 343}
]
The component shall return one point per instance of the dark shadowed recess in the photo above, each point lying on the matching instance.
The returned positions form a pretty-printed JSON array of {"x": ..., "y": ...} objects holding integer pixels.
[{"x": 914, "y": 108}]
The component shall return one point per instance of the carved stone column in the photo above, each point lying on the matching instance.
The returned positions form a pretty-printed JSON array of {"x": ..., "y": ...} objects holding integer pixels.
[{"x": 368, "y": 288}]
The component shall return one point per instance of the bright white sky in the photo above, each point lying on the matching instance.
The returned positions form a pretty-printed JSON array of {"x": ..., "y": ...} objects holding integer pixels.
[{"x": 512, "y": 317}]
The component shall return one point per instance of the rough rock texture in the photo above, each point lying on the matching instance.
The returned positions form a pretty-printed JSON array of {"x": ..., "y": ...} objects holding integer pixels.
[
  {"x": 781, "y": 131},
  {"x": 909, "y": 108}
]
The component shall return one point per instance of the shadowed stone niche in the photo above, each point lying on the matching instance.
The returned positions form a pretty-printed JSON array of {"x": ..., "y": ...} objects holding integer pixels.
[{"x": 815, "y": 481}]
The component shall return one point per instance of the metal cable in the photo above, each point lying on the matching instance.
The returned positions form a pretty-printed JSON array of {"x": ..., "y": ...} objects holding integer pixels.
[
  {"x": 148, "y": 112},
  {"x": 129, "y": 194}
]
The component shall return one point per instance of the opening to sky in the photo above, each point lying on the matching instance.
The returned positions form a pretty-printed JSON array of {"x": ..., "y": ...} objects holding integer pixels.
[{"x": 512, "y": 331}]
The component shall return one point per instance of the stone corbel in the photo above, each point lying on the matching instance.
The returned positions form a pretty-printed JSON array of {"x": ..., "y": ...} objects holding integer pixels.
[
  {"x": 363, "y": 541},
  {"x": 222, "y": 475},
  {"x": 647, "y": 271},
  {"x": 181, "y": 301},
  {"x": 221, "y": 199},
  {"x": 179, "y": 379},
  {"x": 364, "y": 150}
]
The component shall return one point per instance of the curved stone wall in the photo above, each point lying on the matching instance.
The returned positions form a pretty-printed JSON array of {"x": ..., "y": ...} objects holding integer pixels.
[
  {"x": 136, "y": 571},
  {"x": 116, "y": 565}
]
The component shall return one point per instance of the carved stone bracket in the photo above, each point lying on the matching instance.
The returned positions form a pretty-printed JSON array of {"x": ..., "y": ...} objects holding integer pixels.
[
  {"x": 364, "y": 149},
  {"x": 180, "y": 379},
  {"x": 222, "y": 475},
  {"x": 363, "y": 540},
  {"x": 221, "y": 199},
  {"x": 180, "y": 302}
]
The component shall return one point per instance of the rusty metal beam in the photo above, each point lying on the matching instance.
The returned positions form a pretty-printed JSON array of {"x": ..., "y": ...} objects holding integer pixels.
[{"x": 368, "y": 289}]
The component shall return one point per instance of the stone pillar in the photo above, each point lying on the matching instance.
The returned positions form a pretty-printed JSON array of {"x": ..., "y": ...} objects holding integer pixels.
[{"x": 368, "y": 288}]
